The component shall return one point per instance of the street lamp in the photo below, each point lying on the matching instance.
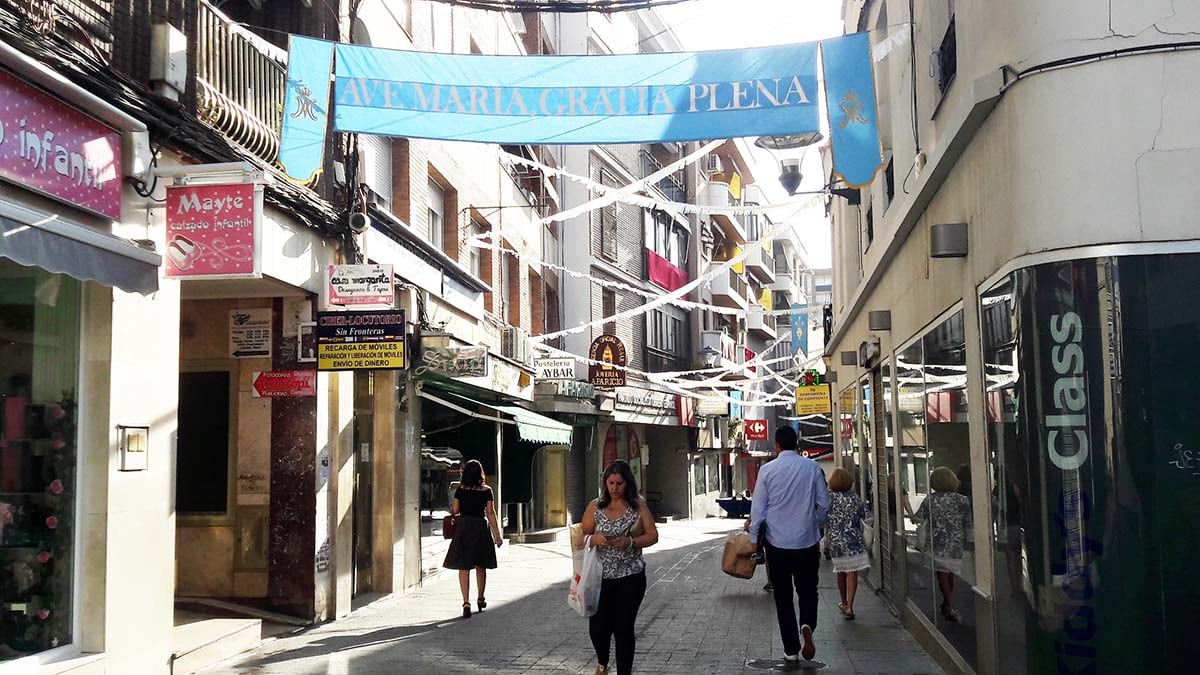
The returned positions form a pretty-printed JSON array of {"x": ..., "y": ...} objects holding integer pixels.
[
  {"x": 709, "y": 356},
  {"x": 789, "y": 173}
]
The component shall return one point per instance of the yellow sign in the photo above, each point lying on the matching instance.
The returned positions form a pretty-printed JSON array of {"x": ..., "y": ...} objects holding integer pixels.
[
  {"x": 847, "y": 401},
  {"x": 361, "y": 355},
  {"x": 814, "y": 400}
]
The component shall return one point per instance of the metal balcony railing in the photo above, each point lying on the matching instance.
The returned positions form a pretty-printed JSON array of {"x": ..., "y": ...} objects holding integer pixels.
[
  {"x": 672, "y": 187},
  {"x": 240, "y": 82}
]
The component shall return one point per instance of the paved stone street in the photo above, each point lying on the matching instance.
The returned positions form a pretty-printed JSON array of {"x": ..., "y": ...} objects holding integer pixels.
[{"x": 694, "y": 620}]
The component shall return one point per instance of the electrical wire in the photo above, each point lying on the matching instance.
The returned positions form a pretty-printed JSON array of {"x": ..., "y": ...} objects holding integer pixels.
[{"x": 561, "y": 6}]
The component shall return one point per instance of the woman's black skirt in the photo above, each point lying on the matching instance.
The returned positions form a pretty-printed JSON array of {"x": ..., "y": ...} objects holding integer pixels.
[{"x": 471, "y": 546}]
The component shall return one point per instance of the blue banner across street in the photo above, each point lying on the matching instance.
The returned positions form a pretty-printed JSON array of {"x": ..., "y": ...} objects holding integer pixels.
[{"x": 560, "y": 100}]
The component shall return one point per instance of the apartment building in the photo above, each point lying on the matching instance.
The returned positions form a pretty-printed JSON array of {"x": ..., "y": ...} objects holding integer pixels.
[{"x": 1009, "y": 294}]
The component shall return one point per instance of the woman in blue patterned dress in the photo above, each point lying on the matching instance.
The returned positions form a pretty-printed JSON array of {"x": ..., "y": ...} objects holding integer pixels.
[
  {"x": 948, "y": 515},
  {"x": 846, "y": 544},
  {"x": 620, "y": 526}
]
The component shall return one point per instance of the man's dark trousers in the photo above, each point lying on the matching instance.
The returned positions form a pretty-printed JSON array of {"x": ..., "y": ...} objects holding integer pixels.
[{"x": 801, "y": 567}]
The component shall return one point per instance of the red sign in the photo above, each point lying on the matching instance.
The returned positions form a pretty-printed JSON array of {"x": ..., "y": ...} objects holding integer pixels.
[
  {"x": 686, "y": 407},
  {"x": 211, "y": 230},
  {"x": 49, "y": 147},
  {"x": 277, "y": 383},
  {"x": 756, "y": 430}
]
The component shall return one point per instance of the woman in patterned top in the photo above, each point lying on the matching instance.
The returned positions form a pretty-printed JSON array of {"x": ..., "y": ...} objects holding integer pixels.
[
  {"x": 846, "y": 544},
  {"x": 620, "y": 526},
  {"x": 949, "y": 516}
]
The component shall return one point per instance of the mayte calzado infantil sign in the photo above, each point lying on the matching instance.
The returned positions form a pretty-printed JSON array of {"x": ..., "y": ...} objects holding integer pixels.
[{"x": 592, "y": 99}]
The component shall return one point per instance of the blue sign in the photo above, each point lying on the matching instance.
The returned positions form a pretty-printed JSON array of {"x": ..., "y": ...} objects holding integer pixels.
[
  {"x": 735, "y": 409},
  {"x": 850, "y": 99},
  {"x": 576, "y": 99},
  {"x": 305, "y": 108},
  {"x": 799, "y": 326},
  {"x": 563, "y": 100}
]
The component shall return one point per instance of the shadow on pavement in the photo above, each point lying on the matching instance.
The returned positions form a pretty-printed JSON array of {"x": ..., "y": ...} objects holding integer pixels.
[{"x": 508, "y": 636}]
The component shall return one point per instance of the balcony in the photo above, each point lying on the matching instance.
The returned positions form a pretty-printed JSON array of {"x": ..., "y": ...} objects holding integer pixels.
[
  {"x": 240, "y": 83},
  {"x": 672, "y": 187},
  {"x": 729, "y": 290},
  {"x": 761, "y": 263},
  {"x": 760, "y": 323},
  {"x": 717, "y": 194},
  {"x": 786, "y": 284}
]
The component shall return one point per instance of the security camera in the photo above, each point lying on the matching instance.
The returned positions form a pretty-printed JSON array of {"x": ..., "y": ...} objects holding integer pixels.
[{"x": 359, "y": 222}]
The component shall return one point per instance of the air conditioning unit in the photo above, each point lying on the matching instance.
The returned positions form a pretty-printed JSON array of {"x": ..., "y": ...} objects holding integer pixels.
[
  {"x": 515, "y": 344},
  {"x": 712, "y": 164}
]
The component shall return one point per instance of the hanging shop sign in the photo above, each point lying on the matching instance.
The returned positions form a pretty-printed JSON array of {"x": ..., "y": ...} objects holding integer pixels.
[
  {"x": 49, "y": 147},
  {"x": 284, "y": 384},
  {"x": 452, "y": 361},
  {"x": 554, "y": 369},
  {"x": 351, "y": 285},
  {"x": 584, "y": 99},
  {"x": 361, "y": 340},
  {"x": 756, "y": 430},
  {"x": 574, "y": 389},
  {"x": 813, "y": 400},
  {"x": 250, "y": 333},
  {"x": 610, "y": 352},
  {"x": 213, "y": 231}
]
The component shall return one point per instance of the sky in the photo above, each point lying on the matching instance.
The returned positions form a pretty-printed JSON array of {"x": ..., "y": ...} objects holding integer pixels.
[{"x": 729, "y": 24}]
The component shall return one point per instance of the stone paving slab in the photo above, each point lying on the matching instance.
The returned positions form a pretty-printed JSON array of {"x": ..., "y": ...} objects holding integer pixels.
[{"x": 694, "y": 620}]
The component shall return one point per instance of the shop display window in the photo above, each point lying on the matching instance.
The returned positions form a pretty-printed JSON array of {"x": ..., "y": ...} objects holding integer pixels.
[
  {"x": 39, "y": 362},
  {"x": 1095, "y": 477}
]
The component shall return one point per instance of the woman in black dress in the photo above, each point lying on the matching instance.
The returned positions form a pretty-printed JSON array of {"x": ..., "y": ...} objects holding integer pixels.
[{"x": 471, "y": 547}]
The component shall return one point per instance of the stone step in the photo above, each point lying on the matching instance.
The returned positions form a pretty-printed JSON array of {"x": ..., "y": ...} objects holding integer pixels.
[
  {"x": 206, "y": 642},
  {"x": 547, "y": 536}
]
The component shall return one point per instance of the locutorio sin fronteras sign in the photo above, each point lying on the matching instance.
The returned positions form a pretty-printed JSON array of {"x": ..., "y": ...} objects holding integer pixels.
[{"x": 593, "y": 99}]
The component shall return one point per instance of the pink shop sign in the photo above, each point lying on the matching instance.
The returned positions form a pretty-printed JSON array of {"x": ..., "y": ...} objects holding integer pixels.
[
  {"x": 51, "y": 148},
  {"x": 213, "y": 230}
]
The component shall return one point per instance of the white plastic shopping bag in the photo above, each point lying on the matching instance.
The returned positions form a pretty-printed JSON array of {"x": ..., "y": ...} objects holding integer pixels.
[{"x": 584, "y": 594}]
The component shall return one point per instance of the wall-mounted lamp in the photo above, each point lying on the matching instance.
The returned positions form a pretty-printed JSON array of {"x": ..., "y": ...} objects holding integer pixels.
[
  {"x": 879, "y": 320},
  {"x": 948, "y": 240},
  {"x": 133, "y": 444}
]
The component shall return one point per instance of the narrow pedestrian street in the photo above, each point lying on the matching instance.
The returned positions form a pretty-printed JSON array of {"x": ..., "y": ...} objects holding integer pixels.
[{"x": 694, "y": 620}]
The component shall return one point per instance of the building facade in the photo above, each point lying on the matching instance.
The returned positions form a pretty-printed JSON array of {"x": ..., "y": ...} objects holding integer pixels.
[{"x": 1008, "y": 295}]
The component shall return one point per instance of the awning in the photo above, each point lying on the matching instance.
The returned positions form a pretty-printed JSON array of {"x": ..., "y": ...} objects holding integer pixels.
[
  {"x": 531, "y": 426},
  {"x": 537, "y": 428},
  {"x": 45, "y": 240}
]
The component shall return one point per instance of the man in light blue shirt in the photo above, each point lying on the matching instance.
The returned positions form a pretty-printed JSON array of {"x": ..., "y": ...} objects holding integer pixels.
[{"x": 791, "y": 500}]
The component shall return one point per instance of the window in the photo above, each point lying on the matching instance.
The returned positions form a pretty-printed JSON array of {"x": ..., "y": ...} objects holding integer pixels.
[
  {"x": 474, "y": 253},
  {"x": 437, "y": 214},
  {"x": 39, "y": 369},
  {"x": 608, "y": 307},
  {"x": 666, "y": 341},
  {"x": 868, "y": 229},
  {"x": 946, "y": 59},
  {"x": 503, "y": 306},
  {"x": 608, "y": 220}
]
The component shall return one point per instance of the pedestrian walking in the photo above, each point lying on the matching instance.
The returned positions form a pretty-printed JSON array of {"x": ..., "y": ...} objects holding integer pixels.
[
  {"x": 947, "y": 515},
  {"x": 792, "y": 500},
  {"x": 846, "y": 543},
  {"x": 620, "y": 526},
  {"x": 476, "y": 532}
]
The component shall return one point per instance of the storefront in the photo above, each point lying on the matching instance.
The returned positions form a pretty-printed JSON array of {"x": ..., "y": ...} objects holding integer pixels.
[
  {"x": 85, "y": 430},
  {"x": 646, "y": 432}
]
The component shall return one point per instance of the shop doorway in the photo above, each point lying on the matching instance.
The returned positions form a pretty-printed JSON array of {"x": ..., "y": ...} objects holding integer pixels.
[
  {"x": 551, "y": 470},
  {"x": 364, "y": 434}
]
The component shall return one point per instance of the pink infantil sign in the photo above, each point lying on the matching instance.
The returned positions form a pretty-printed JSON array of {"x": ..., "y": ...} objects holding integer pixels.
[
  {"x": 212, "y": 230},
  {"x": 51, "y": 148}
]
